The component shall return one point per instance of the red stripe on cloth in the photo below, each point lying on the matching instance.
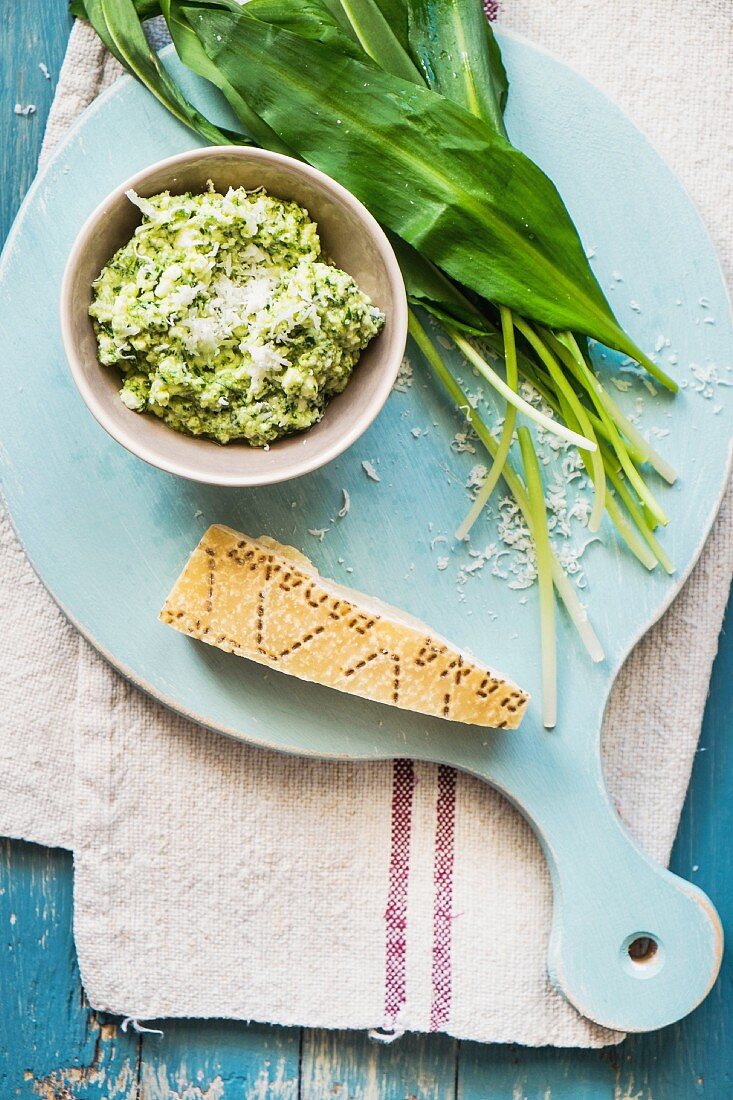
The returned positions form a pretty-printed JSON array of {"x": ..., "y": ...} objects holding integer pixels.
[
  {"x": 395, "y": 916},
  {"x": 445, "y": 818}
]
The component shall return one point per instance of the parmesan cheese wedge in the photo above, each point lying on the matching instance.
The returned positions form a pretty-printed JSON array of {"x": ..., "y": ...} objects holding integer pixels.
[{"x": 267, "y": 602}]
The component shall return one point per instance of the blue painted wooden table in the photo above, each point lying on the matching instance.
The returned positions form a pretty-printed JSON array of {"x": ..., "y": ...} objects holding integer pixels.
[{"x": 52, "y": 1045}]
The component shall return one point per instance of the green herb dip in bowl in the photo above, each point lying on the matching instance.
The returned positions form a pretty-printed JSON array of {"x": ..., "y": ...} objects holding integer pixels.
[{"x": 246, "y": 303}]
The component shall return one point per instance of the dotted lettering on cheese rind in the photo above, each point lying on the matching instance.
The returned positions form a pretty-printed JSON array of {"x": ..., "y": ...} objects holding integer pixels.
[{"x": 348, "y": 614}]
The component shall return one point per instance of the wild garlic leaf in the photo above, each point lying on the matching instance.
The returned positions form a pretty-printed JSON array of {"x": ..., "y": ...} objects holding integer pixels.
[
  {"x": 144, "y": 9},
  {"x": 454, "y": 46},
  {"x": 190, "y": 51},
  {"x": 118, "y": 25},
  {"x": 374, "y": 33},
  {"x": 428, "y": 287},
  {"x": 395, "y": 14},
  {"x": 436, "y": 176},
  {"x": 309, "y": 19}
]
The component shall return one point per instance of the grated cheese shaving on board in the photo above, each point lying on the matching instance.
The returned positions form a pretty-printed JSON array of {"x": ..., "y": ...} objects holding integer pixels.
[
  {"x": 477, "y": 476},
  {"x": 462, "y": 442},
  {"x": 318, "y": 532},
  {"x": 29, "y": 109},
  {"x": 706, "y": 378},
  {"x": 344, "y": 509},
  {"x": 404, "y": 376},
  {"x": 568, "y": 488},
  {"x": 44, "y": 69},
  {"x": 638, "y": 412},
  {"x": 370, "y": 472},
  {"x": 512, "y": 557}
]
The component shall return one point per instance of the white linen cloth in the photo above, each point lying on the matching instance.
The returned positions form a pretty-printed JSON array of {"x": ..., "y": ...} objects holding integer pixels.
[{"x": 214, "y": 879}]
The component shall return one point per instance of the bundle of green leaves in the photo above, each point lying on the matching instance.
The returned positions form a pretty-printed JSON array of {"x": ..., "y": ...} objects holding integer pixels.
[{"x": 402, "y": 101}]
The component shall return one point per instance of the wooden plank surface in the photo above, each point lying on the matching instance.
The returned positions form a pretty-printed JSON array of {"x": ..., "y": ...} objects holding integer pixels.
[
  {"x": 348, "y": 1066},
  {"x": 53, "y": 1046},
  {"x": 218, "y": 1060}
]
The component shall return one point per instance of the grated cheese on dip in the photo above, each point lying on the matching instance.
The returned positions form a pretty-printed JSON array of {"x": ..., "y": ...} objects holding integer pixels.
[{"x": 224, "y": 318}]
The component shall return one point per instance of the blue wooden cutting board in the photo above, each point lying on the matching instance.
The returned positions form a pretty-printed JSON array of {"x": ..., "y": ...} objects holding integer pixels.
[{"x": 108, "y": 534}]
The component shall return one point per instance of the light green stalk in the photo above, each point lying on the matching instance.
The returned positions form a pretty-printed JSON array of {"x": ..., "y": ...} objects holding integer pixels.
[
  {"x": 566, "y": 392},
  {"x": 538, "y": 528},
  {"x": 513, "y": 398},
  {"x": 565, "y": 590},
  {"x": 597, "y": 395},
  {"x": 507, "y": 431}
]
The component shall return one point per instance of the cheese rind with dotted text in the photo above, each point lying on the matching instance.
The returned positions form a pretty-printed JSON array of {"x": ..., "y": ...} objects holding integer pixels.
[{"x": 267, "y": 602}]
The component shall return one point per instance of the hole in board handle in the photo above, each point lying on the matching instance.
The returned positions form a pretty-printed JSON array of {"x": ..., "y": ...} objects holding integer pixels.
[
  {"x": 642, "y": 950},
  {"x": 642, "y": 955}
]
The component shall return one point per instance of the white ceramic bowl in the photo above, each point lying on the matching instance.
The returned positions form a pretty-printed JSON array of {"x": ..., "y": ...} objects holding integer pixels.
[{"x": 351, "y": 238}]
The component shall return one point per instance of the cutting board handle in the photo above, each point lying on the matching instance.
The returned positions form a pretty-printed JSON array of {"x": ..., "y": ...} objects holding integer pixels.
[{"x": 633, "y": 947}]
